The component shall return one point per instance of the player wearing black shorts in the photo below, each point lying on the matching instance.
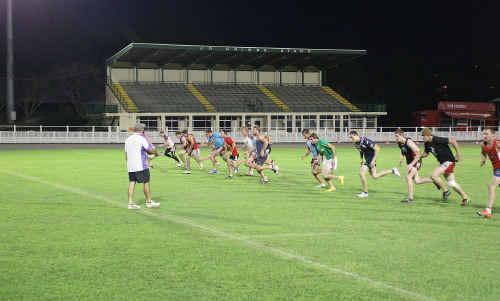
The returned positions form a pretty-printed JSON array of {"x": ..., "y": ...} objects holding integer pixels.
[
  {"x": 440, "y": 148},
  {"x": 368, "y": 151},
  {"x": 410, "y": 152}
]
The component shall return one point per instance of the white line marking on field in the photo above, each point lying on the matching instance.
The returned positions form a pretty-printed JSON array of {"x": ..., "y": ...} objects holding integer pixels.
[
  {"x": 284, "y": 254},
  {"x": 277, "y": 235}
]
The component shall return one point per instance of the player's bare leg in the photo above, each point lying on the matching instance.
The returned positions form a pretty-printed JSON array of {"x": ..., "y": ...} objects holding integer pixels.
[
  {"x": 487, "y": 212},
  {"x": 378, "y": 175},
  {"x": 131, "y": 188},
  {"x": 364, "y": 184},
  {"x": 492, "y": 191},
  {"x": 147, "y": 192},
  {"x": 188, "y": 164},
  {"x": 436, "y": 179},
  {"x": 453, "y": 184}
]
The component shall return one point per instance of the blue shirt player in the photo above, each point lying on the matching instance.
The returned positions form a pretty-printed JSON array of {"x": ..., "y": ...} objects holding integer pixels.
[
  {"x": 312, "y": 150},
  {"x": 368, "y": 151},
  {"x": 216, "y": 140}
]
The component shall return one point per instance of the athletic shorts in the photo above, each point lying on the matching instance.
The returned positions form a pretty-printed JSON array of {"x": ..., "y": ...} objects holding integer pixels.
[
  {"x": 418, "y": 165},
  {"x": 496, "y": 172},
  {"x": 219, "y": 151},
  {"x": 195, "y": 153},
  {"x": 327, "y": 166},
  {"x": 448, "y": 166},
  {"x": 314, "y": 163},
  {"x": 234, "y": 158},
  {"x": 139, "y": 176},
  {"x": 261, "y": 160},
  {"x": 368, "y": 162},
  {"x": 170, "y": 151}
]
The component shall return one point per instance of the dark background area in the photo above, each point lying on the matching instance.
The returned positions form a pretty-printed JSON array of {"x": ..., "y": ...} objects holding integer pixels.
[{"x": 418, "y": 52}]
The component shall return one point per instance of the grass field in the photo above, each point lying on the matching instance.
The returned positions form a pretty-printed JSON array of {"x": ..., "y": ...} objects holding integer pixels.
[{"x": 65, "y": 233}]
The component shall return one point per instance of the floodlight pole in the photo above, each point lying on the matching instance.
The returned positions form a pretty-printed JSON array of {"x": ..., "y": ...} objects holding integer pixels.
[{"x": 11, "y": 113}]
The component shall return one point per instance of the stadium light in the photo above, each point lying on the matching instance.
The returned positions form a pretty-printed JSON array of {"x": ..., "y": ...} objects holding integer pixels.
[{"x": 11, "y": 113}]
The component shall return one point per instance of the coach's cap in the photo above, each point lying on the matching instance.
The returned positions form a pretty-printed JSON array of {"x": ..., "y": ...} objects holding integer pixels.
[
  {"x": 426, "y": 132},
  {"x": 139, "y": 127}
]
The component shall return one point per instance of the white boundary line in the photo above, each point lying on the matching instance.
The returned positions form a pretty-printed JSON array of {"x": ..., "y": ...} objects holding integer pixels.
[
  {"x": 278, "y": 235},
  {"x": 281, "y": 253}
]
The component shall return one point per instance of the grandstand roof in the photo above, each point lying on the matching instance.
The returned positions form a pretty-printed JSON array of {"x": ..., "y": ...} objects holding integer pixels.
[{"x": 162, "y": 54}]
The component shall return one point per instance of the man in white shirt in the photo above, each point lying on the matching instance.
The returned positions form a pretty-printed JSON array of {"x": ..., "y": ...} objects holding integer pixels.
[{"x": 137, "y": 148}]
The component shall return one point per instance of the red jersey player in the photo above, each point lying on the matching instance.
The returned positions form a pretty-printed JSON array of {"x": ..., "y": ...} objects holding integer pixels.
[
  {"x": 230, "y": 154},
  {"x": 490, "y": 149}
]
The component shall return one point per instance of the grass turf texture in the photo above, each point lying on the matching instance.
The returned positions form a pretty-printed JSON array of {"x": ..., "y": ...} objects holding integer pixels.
[{"x": 65, "y": 233}]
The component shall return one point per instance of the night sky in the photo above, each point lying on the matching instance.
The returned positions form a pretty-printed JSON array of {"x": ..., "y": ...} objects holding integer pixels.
[{"x": 414, "y": 48}]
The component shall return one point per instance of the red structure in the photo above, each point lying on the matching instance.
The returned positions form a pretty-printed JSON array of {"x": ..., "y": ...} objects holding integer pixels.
[{"x": 460, "y": 114}]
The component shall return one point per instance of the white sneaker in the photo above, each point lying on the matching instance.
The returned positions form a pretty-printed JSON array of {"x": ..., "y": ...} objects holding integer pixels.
[
  {"x": 322, "y": 185},
  {"x": 395, "y": 172},
  {"x": 152, "y": 204},
  {"x": 133, "y": 206},
  {"x": 275, "y": 168},
  {"x": 188, "y": 172},
  {"x": 179, "y": 165},
  {"x": 362, "y": 195},
  {"x": 201, "y": 165}
]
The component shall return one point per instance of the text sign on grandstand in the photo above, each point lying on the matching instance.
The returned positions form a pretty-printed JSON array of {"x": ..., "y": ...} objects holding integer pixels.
[{"x": 254, "y": 49}]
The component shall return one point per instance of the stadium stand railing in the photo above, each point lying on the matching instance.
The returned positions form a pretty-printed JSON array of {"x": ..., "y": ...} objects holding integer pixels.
[{"x": 112, "y": 134}]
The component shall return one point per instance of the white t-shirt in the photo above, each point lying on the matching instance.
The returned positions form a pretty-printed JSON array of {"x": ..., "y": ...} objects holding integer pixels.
[
  {"x": 249, "y": 143},
  {"x": 135, "y": 148},
  {"x": 168, "y": 141}
]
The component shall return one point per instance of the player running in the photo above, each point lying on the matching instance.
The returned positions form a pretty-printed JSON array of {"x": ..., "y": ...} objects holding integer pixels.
[
  {"x": 313, "y": 151},
  {"x": 230, "y": 154},
  {"x": 217, "y": 142},
  {"x": 249, "y": 145},
  {"x": 182, "y": 136},
  {"x": 410, "y": 152},
  {"x": 490, "y": 149},
  {"x": 368, "y": 151},
  {"x": 439, "y": 147},
  {"x": 261, "y": 155},
  {"x": 328, "y": 161},
  {"x": 192, "y": 151},
  {"x": 169, "y": 146}
]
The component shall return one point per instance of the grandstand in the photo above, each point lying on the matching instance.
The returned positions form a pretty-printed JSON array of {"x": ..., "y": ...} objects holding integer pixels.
[{"x": 198, "y": 87}]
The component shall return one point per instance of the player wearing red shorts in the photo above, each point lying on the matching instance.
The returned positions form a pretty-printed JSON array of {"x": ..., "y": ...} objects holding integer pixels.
[
  {"x": 440, "y": 148},
  {"x": 230, "y": 154},
  {"x": 192, "y": 151},
  {"x": 490, "y": 149},
  {"x": 410, "y": 152}
]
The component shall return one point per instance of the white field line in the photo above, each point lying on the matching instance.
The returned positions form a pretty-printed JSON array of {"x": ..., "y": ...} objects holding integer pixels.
[
  {"x": 281, "y": 253},
  {"x": 277, "y": 235}
]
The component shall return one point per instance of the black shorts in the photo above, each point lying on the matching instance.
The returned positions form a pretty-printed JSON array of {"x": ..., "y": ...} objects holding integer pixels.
[
  {"x": 234, "y": 158},
  {"x": 170, "y": 151},
  {"x": 139, "y": 176},
  {"x": 260, "y": 160}
]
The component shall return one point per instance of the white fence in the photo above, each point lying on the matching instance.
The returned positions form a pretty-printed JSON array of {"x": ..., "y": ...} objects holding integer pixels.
[{"x": 112, "y": 134}]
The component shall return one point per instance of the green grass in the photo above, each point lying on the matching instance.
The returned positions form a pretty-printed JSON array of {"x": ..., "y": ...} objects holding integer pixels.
[{"x": 65, "y": 233}]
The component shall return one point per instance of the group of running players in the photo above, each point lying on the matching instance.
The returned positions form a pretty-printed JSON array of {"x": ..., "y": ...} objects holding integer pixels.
[
  {"x": 323, "y": 154},
  {"x": 257, "y": 149}
]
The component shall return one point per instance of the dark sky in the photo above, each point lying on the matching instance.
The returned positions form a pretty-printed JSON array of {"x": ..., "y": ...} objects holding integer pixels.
[{"x": 413, "y": 47}]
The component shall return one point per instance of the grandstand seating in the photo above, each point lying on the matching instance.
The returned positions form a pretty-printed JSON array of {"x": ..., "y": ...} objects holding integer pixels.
[
  {"x": 179, "y": 97},
  {"x": 163, "y": 97},
  {"x": 237, "y": 98},
  {"x": 308, "y": 99}
]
